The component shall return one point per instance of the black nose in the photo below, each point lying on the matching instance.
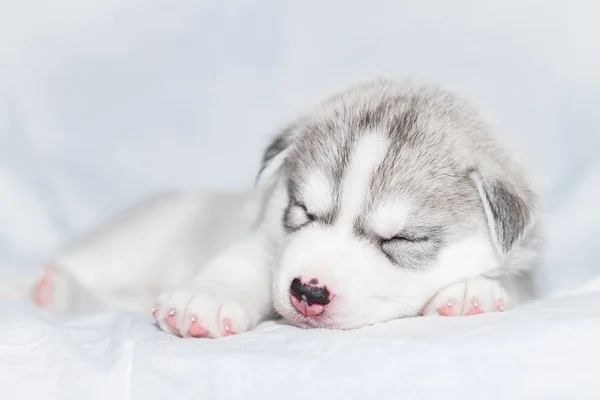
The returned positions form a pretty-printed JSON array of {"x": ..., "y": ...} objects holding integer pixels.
[{"x": 310, "y": 293}]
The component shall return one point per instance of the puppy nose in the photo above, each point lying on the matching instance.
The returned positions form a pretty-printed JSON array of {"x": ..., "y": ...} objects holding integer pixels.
[{"x": 310, "y": 299}]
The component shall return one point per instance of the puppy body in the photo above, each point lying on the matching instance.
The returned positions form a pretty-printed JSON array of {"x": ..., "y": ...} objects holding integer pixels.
[{"x": 388, "y": 200}]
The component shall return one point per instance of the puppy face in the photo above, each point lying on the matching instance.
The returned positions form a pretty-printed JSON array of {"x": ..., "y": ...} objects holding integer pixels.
[{"x": 381, "y": 211}]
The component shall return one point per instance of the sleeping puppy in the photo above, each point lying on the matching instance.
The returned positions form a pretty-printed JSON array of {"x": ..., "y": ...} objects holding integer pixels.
[{"x": 388, "y": 200}]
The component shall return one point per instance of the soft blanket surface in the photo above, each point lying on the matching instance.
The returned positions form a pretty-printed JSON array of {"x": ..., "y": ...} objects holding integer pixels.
[{"x": 547, "y": 350}]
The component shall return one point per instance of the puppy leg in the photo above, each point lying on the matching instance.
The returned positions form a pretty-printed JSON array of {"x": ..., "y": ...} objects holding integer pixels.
[
  {"x": 118, "y": 265},
  {"x": 57, "y": 290},
  {"x": 232, "y": 294}
]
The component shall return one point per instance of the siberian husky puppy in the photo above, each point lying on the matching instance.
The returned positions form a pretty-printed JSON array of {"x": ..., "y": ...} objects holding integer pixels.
[{"x": 387, "y": 200}]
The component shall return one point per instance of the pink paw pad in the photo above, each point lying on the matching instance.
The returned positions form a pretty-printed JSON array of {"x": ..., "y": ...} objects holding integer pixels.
[
  {"x": 196, "y": 330},
  {"x": 171, "y": 321},
  {"x": 227, "y": 329},
  {"x": 500, "y": 306},
  {"x": 155, "y": 312},
  {"x": 447, "y": 309},
  {"x": 43, "y": 290},
  {"x": 474, "y": 307}
]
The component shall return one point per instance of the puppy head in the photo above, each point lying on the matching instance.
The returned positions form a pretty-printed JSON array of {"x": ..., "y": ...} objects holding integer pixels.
[{"x": 386, "y": 203}]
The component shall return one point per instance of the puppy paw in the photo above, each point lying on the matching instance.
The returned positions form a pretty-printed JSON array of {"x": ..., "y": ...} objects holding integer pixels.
[
  {"x": 475, "y": 296},
  {"x": 43, "y": 289},
  {"x": 54, "y": 290},
  {"x": 58, "y": 291},
  {"x": 210, "y": 311}
]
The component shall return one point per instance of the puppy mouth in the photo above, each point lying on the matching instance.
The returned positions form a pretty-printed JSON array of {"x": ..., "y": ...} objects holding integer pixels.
[{"x": 308, "y": 318}]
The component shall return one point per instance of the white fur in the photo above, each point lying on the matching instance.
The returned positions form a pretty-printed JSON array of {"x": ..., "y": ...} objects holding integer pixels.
[
  {"x": 390, "y": 217},
  {"x": 317, "y": 193},
  {"x": 220, "y": 295},
  {"x": 464, "y": 259},
  {"x": 367, "y": 156}
]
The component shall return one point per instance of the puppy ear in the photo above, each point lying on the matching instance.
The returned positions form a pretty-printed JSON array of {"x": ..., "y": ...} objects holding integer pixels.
[
  {"x": 510, "y": 212},
  {"x": 275, "y": 155}
]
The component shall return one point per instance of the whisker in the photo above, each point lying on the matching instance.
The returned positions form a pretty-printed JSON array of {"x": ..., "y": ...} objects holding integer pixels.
[{"x": 398, "y": 299}]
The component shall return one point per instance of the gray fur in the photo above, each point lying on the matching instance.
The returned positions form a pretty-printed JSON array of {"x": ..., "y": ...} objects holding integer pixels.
[
  {"x": 278, "y": 144},
  {"x": 510, "y": 212}
]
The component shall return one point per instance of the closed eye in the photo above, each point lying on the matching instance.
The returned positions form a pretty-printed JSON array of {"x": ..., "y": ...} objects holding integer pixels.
[
  {"x": 309, "y": 215},
  {"x": 297, "y": 216},
  {"x": 405, "y": 238},
  {"x": 413, "y": 247}
]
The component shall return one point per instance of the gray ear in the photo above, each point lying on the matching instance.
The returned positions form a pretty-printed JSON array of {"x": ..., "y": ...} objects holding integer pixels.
[
  {"x": 510, "y": 212},
  {"x": 275, "y": 154}
]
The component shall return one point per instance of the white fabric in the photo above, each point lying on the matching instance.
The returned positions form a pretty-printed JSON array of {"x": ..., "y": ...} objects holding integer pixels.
[
  {"x": 548, "y": 350},
  {"x": 105, "y": 101}
]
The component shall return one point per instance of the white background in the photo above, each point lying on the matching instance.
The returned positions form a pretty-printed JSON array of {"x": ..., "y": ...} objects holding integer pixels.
[{"x": 105, "y": 101}]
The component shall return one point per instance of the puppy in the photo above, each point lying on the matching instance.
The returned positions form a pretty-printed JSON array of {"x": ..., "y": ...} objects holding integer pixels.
[{"x": 388, "y": 200}]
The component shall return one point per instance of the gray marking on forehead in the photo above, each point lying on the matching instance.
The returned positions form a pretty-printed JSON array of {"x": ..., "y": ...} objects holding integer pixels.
[{"x": 412, "y": 160}]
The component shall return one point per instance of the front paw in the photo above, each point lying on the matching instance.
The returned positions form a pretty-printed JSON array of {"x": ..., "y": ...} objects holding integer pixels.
[
  {"x": 475, "y": 296},
  {"x": 207, "y": 311}
]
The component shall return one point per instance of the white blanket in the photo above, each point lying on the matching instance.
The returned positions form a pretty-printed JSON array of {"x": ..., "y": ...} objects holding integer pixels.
[
  {"x": 105, "y": 101},
  {"x": 548, "y": 350}
]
